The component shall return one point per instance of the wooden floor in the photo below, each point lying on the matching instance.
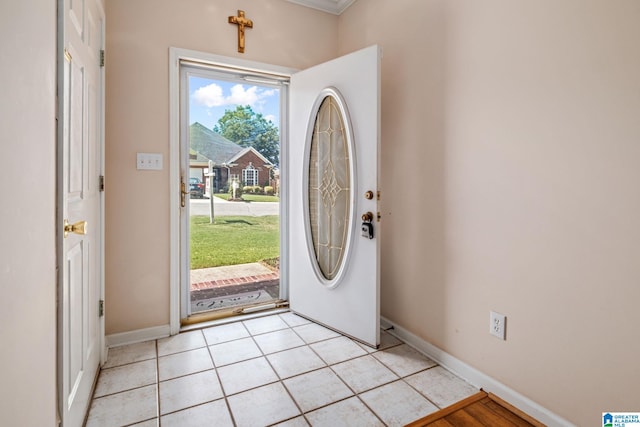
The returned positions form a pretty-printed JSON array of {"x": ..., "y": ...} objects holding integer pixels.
[{"x": 481, "y": 409}]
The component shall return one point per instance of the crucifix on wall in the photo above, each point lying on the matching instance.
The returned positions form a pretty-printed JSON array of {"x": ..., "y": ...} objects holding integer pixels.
[{"x": 241, "y": 22}]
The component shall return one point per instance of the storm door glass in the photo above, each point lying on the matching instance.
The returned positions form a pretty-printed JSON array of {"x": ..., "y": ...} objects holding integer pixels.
[{"x": 329, "y": 188}]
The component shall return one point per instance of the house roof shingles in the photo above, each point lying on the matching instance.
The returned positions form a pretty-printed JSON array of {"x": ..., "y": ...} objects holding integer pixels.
[{"x": 213, "y": 146}]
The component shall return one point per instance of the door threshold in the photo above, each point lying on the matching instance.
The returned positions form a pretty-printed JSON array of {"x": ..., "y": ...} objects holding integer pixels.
[{"x": 221, "y": 317}]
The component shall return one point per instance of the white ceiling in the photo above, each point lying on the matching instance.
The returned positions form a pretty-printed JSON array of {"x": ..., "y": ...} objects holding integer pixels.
[{"x": 332, "y": 6}]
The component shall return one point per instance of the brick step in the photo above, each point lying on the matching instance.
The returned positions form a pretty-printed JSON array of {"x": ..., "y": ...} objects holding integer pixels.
[{"x": 234, "y": 281}]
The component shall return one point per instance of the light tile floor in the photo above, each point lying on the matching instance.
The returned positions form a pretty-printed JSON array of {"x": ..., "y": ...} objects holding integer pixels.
[{"x": 275, "y": 370}]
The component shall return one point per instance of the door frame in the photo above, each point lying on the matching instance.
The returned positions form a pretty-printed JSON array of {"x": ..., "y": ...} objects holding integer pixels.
[{"x": 176, "y": 233}]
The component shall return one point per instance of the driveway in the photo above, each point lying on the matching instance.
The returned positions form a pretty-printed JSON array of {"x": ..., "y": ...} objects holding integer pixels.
[{"x": 225, "y": 208}]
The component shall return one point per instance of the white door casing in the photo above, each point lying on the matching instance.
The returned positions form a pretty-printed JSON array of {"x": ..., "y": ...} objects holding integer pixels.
[
  {"x": 179, "y": 262},
  {"x": 357, "y": 78},
  {"x": 350, "y": 302},
  {"x": 80, "y": 164}
]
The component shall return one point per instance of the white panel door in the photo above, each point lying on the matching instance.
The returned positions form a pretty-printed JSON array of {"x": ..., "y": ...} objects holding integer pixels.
[
  {"x": 346, "y": 299},
  {"x": 80, "y": 165}
]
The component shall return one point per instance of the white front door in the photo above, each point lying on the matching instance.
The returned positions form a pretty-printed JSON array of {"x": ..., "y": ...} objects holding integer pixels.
[
  {"x": 333, "y": 180},
  {"x": 80, "y": 206}
]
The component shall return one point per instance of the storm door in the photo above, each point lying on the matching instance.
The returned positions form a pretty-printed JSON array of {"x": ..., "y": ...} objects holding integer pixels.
[{"x": 230, "y": 192}]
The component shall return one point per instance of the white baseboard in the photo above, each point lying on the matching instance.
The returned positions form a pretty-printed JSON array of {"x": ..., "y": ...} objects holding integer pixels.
[
  {"x": 139, "y": 335},
  {"x": 475, "y": 377}
]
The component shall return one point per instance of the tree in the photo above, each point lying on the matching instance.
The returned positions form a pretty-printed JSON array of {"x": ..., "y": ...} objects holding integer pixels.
[{"x": 250, "y": 129}]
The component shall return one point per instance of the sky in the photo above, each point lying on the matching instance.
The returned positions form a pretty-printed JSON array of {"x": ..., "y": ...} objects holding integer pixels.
[{"x": 209, "y": 99}]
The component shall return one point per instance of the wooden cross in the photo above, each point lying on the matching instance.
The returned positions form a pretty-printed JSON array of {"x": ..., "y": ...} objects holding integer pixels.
[{"x": 241, "y": 22}]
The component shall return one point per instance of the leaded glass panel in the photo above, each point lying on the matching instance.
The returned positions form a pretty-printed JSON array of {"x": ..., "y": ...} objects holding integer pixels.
[{"x": 329, "y": 187}]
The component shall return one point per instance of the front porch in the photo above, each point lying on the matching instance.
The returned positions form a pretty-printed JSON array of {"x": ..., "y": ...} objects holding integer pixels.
[{"x": 233, "y": 285}]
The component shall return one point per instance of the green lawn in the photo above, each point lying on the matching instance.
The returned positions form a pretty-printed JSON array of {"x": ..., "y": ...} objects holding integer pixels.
[
  {"x": 233, "y": 240},
  {"x": 251, "y": 197}
]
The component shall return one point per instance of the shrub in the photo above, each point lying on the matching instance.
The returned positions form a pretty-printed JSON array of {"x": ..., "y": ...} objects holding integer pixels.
[
  {"x": 268, "y": 190},
  {"x": 253, "y": 189},
  {"x": 239, "y": 191}
]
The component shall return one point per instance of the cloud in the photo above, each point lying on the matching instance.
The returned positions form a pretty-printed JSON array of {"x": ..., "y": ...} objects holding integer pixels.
[
  {"x": 212, "y": 96},
  {"x": 209, "y": 96},
  {"x": 242, "y": 96},
  {"x": 270, "y": 117}
]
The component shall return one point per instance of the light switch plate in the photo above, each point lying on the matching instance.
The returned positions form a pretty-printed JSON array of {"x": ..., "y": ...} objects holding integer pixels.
[{"x": 149, "y": 161}]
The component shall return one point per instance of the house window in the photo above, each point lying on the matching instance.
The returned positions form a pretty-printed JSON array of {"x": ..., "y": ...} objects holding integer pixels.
[{"x": 250, "y": 176}]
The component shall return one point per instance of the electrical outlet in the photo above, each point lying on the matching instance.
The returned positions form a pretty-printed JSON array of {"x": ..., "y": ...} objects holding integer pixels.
[{"x": 498, "y": 325}]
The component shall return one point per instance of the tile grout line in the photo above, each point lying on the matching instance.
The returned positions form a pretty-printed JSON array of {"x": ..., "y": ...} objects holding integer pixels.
[
  {"x": 418, "y": 391},
  {"x": 330, "y": 367},
  {"x": 334, "y": 372},
  {"x": 403, "y": 378},
  {"x": 355, "y": 394},
  {"x": 224, "y": 393},
  {"x": 224, "y": 396},
  {"x": 215, "y": 369},
  {"x": 157, "y": 383},
  {"x": 281, "y": 380},
  {"x": 307, "y": 345}
]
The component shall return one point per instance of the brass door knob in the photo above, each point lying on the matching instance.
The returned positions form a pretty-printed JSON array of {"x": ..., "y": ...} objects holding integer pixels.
[
  {"x": 367, "y": 217},
  {"x": 79, "y": 227}
]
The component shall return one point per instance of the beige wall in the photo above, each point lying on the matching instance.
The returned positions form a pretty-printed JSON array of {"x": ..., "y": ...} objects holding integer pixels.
[
  {"x": 511, "y": 147},
  {"x": 510, "y": 177},
  {"x": 139, "y": 34},
  {"x": 27, "y": 213}
]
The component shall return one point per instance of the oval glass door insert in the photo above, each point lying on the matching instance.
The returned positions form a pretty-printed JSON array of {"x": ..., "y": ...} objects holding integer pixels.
[{"x": 330, "y": 185}]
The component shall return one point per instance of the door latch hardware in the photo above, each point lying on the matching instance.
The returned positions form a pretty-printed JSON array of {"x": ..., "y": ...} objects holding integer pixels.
[
  {"x": 183, "y": 193},
  {"x": 79, "y": 227}
]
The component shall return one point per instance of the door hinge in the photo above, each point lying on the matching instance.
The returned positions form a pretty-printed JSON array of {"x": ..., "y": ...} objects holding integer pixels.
[
  {"x": 101, "y": 308},
  {"x": 102, "y": 57},
  {"x": 101, "y": 183}
]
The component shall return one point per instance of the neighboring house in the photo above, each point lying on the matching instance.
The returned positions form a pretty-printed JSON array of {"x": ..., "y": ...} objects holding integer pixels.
[
  {"x": 197, "y": 164},
  {"x": 230, "y": 160}
]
